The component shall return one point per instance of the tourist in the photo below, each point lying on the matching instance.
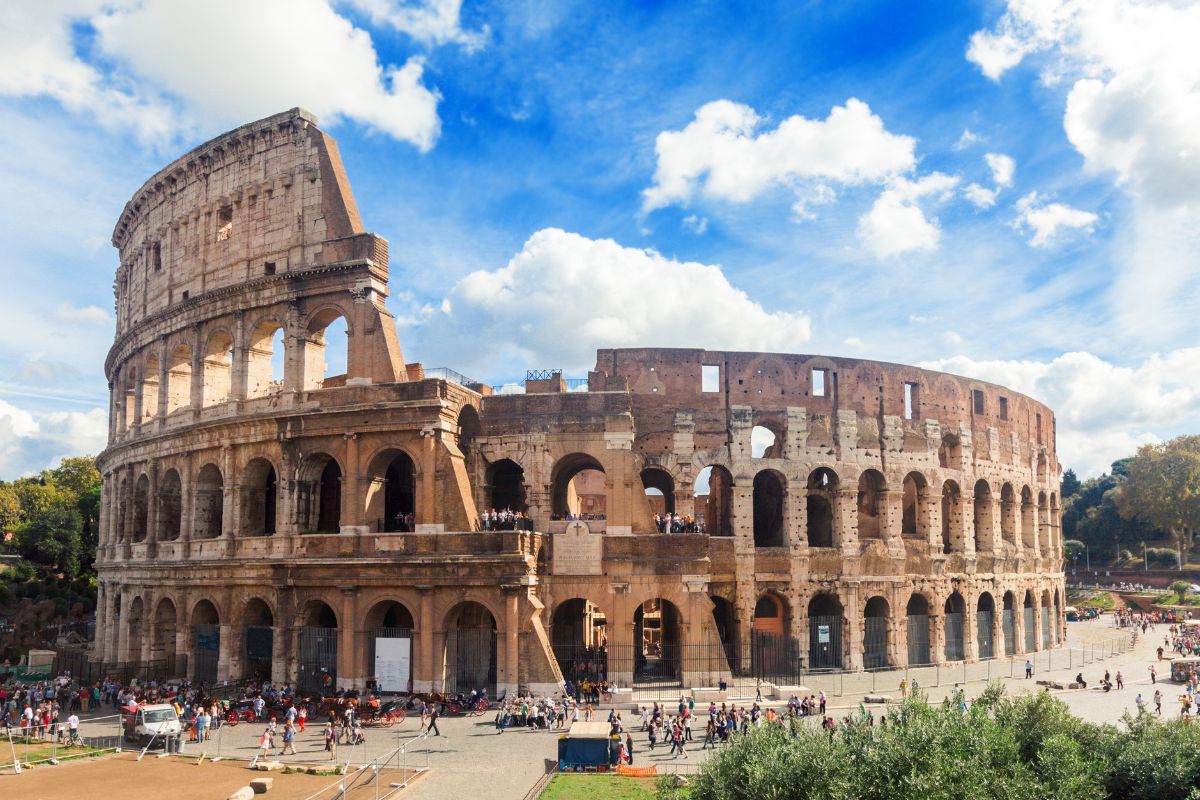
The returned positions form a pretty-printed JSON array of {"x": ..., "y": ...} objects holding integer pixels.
[
  {"x": 1028, "y": 669},
  {"x": 289, "y": 739}
]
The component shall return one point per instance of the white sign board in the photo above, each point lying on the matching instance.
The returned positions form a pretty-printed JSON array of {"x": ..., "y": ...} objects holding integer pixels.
[
  {"x": 393, "y": 664},
  {"x": 822, "y": 634},
  {"x": 578, "y": 551}
]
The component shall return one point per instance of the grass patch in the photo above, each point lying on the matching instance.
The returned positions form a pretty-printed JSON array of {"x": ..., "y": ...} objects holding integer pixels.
[
  {"x": 588, "y": 786},
  {"x": 39, "y": 751},
  {"x": 1085, "y": 598},
  {"x": 1172, "y": 599}
]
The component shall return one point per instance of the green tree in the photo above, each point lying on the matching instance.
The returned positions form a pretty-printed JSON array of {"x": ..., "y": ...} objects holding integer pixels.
[
  {"x": 1181, "y": 589},
  {"x": 10, "y": 509},
  {"x": 1163, "y": 487},
  {"x": 1070, "y": 484},
  {"x": 53, "y": 539}
]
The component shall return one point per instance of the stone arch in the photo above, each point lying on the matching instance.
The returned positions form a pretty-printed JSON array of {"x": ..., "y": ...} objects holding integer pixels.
[
  {"x": 983, "y": 521},
  {"x": 392, "y": 490},
  {"x": 141, "y": 508},
  {"x": 260, "y": 498},
  {"x": 319, "y": 625},
  {"x": 218, "y": 368},
  {"x": 765, "y": 442},
  {"x": 825, "y": 631},
  {"x": 772, "y": 614},
  {"x": 266, "y": 358},
  {"x": 821, "y": 500},
  {"x": 135, "y": 624},
  {"x": 1028, "y": 519},
  {"x": 1008, "y": 514},
  {"x": 468, "y": 430},
  {"x": 713, "y": 500},
  {"x": 504, "y": 482},
  {"x": 579, "y": 637},
  {"x": 164, "y": 635},
  {"x": 179, "y": 378},
  {"x": 323, "y": 324},
  {"x": 206, "y": 640},
  {"x": 985, "y": 620},
  {"x": 657, "y": 638},
  {"x": 389, "y": 619},
  {"x": 871, "y": 488},
  {"x": 952, "y": 621},
  {"x": 258, "y": 639},
  {"x": 209, "y": 514},
  {"x": 877, "y": 614},
  {"x": 913, "y": 522},
  {"x": 950, "y": 451},
  {"x": 150, "y": 387},
  {"x": 170, "y": 506},
  {"x": 917, "y": 613},
  {"x": 319, "y": 494},
  {"x": 470, "y": 656},
  {"x": 659, "y": 487},
  {"x": 565, "y": 495},
  {"x": 770, "y": 492},
  {"x": 952, "y": 518}
]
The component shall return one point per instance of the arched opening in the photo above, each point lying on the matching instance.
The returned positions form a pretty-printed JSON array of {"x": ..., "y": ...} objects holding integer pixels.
[
  {"x": 400, "y": 494},
  {"x": 123, "y": 500},
  {"x": 162, "y": 643},
  {"x": 141, "y": 508},
  {"x": 206, "y": 633},
  {"x": 660, "y": 493},
  {"x": 726, "y": 622},
  {"x": 1008, "y": 624},
  {"x": 470, "y": 649},
  {"x": 1047, "y": 628},
  {"x": 952, "y": 518},
  {"x": 469, "y": 429},
  {"x": 218, "y": 369},
  {"x": 825, "y": 632},
  {"x": 389, "y": 626},
  {"x": 917, "y": 613},
  {"x": 170, "y": 506},
  {"x": 769, "y": 490},
  {"x": 1008, "y": 514},
  {"x": 769, "y": 615},
  {"x": 1028, "y": 519},
  {"x": 1054, "y": 540},
  {"x": 126, "y": 391},
  {"x": 713, "y": 501},
  {"x": 208, "y": 522},
  {"x": 950, "y": 452},
  {"x": 875, "y": 632},
  {"x": 505, "y": 481},
  {"x": 319, "y": 495},
  {"x": 822, "y": 492},
  {"x": 772, "y": 653},
  {"x": 578, "y": 633},
  {"x": 871, "y": 487},
  {"x": 912, "y": 522},
  {"x": 318, "y": 648},
  {"x": 985, "y": 617},
  {"x": 136, "y": 623},
  {"x": 984, "y": 522},
  {"x": 1043, "y": 522},
  {"x": 260, "y": 497},
  {"x": 1057, "y": 620},
  {"x": 150, "y": 389},
  {"x": 656, "y": 643},
  {"x": 765, "y": 443},
  {"x": 953, "y": 625},
  {"x": 326, "y": 349},
  {"x": 1030, "y": 614},
  {"x": 265, "y": 359},
  {"x": 179, "y": 379},
  {"x": 258, "y": 640},
  {"x": 578, "y": 489}
]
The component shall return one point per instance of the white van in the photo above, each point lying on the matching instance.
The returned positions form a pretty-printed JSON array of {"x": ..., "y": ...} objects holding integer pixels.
[{"x": 149, "y": 722}]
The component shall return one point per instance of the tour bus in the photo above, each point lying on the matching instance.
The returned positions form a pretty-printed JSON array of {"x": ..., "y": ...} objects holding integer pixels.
[{"x": 149, "y": 722}]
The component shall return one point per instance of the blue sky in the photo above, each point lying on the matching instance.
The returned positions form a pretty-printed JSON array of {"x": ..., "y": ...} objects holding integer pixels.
[{"x": 1009, "y": 193}]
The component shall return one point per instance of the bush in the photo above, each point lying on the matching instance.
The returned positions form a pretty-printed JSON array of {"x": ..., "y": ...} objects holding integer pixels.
[{"x": 1162, "y": 556}]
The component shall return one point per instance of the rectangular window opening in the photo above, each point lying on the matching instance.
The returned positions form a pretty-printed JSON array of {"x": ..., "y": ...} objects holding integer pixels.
[
  {"x": 156, "y": 257},
  {"x": 224, "y": 223},
  {"x": 1004, "y": 408},
  {"x": 977, "y": 399},
  {"x": 185, "y": 294},
  {"x": 912, "y": 401},
  {"x": 710, "y": 378},
  {"x": 269, "y": 268},
  {"x": 818, "y": 382}
]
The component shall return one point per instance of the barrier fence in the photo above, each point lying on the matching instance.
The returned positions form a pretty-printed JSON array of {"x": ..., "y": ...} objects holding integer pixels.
[{"x": 38, "y": 744}]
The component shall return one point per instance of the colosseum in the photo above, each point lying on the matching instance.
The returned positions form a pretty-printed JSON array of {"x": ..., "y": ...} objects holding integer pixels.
[{"x": 680, "y": 518}]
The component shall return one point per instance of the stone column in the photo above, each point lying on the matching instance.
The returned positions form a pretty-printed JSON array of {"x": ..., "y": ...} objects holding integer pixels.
[
  {"x": 891, "y": 520},
  {"x": 152, "y": 512},
  {"x": 164, "y": 373},
  {"x": 852, "y": 614},
  {"x": 1037, "y": 623},
  {"x": 1018, "y": 624},
  {"x": 101, "y": 620},
  {"x": 183, "y": 639},
  {"x": 930, "y": 509},
  {"x": 423, "y": 677},
  {"x": 279, "y": 654},
  {"x": 238, "y": 367},
  {"x": 970, "y": 629},
  {"x": 123, "y": 630},
  {"x": 349, "y": 659},
  {"x": 225, "y": 653},
  {"x": 845, "y": 520},
  {"x": 149, "y": 627},
  {"x": 512, "y": 632},
  {"x": 352, "y": 494}
]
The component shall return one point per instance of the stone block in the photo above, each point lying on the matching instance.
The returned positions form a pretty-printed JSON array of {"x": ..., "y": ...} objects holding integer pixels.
[
  {"x": 877, "y": 698},
  {"x": 262, "y": 785},
  {"x": 268, "y": 766},
  {"x": 244, "y": 793}
]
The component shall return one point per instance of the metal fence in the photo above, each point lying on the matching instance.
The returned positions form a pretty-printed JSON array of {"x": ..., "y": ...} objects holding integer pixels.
[
  {"x": 470, "y": 660},
  {"x": 37, "y": 745},
  {"x": 318, "y": 659}
]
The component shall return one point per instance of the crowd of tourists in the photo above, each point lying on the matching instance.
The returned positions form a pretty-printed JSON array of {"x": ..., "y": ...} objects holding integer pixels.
[
  {"x": 673, "y": 523},
  {"x": 504, "y": 520}
]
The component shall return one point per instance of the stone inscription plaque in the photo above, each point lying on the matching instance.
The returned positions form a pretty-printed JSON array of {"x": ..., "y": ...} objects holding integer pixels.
[{"x": 578, "y": 551}]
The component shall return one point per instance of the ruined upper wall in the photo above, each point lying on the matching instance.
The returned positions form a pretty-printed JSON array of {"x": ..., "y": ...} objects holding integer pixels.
[{"x": 266, "y": 198}]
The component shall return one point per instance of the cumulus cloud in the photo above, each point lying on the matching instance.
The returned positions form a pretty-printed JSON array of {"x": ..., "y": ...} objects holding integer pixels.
[
  {"x": 1104, "y": 411},
  {"x": 31, "y": 441},
  {"x": 564, "y": 295},
  {"x": 161, "y": 68},
  {"x": 696, "y": 224},
  {"x": 896, "y": 223},
  {"x": 83, "y": 315},
  {"x": 722, "y": 154},
  {"x": 980, "y": 196},
  {"x": 433, "y": 22},
  {"x": 968, "y": 138},
  {"x": 1003, "y": 168},
  {"x": 1045, "y": 220}
]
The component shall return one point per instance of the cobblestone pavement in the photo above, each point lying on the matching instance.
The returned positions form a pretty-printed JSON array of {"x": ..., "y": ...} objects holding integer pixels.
[{"x": 472, "y": 758}]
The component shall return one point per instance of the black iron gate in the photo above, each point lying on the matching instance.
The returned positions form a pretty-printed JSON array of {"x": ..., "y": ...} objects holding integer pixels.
[
  {"x": 1010, "y": 632},
  {"x": 825, "y": 642},
  {"x": 1030, "y": 632},
  {"x": 918, "y": 639},
  {"x": 954, "y": 637},
  {"x": 987, "y": 648},
  {"x": 208, "y": 651},
  {"x": 318, "y": 660},
  {"x": 471, "y": 661},
  {"x": 1046, "y": 632},
  {"x": 775, "y": 658},
  {"x": 658, "y": 665},
  {"x": 875, "y": 643},
  {"x": 259, "y": 644}
]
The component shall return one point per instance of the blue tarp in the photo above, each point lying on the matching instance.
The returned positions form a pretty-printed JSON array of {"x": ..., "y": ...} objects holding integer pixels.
[{"x": 573, "y": 753}]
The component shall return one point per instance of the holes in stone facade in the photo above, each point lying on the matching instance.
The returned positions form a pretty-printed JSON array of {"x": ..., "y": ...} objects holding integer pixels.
[
  {"x": 977, "y": 402},
  {"x": 506, "y": 486},
  {"x": 819, "y": 380},
  {"x": 769, "y": 491},
  {"x": 822, "y": 492},
  {"x": 912, "y": 521},
  {"x": 765, "y": 443}
]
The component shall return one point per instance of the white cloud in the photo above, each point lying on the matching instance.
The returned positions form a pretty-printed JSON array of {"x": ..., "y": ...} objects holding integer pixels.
[
  {"x": 171, "y": 68},
  {"x": 696, "y": 224},
  {"x": 31, "y": 441},
  {"x": 980, "y": 196},
  {"x": 1046, "y": 219},
  {"x": 967, "y": 139},
  {"x": 896, "y": 223},
  {"x": 605, "y": 295},
  {"x": 996, "y": 53},
  {"x": 1003, "y": 168},
  {"x": 433, "y": 22},
  {"x": 720, "y": 155},
  {"x": 1104, "y": 411},
  {"x": 83, "y": 315}
]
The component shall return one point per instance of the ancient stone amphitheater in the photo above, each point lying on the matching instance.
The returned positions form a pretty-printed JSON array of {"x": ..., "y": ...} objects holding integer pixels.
[{"x": 263, "y": 517}]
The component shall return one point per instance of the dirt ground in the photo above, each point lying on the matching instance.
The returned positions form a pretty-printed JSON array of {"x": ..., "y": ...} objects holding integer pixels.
[{"x": 177, "y": 777}]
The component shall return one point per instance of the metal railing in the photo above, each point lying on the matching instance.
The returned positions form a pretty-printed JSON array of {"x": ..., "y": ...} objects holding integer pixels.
[
  {"x": 374, "y": 772},
  {"x": 41, "y": 744}
]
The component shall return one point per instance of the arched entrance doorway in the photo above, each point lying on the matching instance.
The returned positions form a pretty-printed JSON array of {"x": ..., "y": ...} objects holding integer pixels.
[
  {"x": 259, "y": 498},
  {"x": 1047, "y": 629},
  {"x": 1030, "y": 630},
  {"x": 162, "y": 645},
  {"x": 1009, "y": 625},
  {"x": 400, "y": 494},
  {"x": 470, "y": 649},
  {"x": 258, "y": 640},
  {"x": 875, "y": 633},
  {"x": 578, "y": 488},
  {"x": 822, "y": 491},
  {"x": 506, "y": 486},
  {"x": 985, "y": 617},
  {"x": 389, "y": 642},
  {"x": 318, "y": 648},
  {"x": 769, "y": 491},
  {"x": 206, "y": 633},
  {"x": 918, "y": 630},
  {"x": 773, "y": 655},
  {"x": 136, "y": 623},
  {"x": 579, "y": 635},
  {"x": 953, "y": 627},
  {"x": 825, "y": 632},
  {"x": 657, "y": 656},
  {"x": 712, "y": 499},
  {"x": 660, "y": 491}
]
